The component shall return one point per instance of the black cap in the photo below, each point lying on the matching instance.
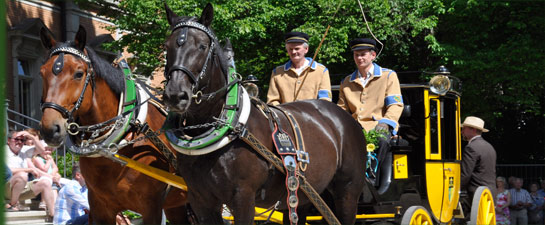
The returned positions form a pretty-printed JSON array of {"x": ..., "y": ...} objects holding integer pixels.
[
  {"x": 296, "y": 37},
  {"x": 363, "y": 43}
]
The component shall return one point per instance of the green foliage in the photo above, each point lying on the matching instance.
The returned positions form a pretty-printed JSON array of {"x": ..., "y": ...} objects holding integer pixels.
[
  {"x": 372, "y": 137},
  {"x": 256, "y": 30},
  {"x": 65, "y": 162},
  {"x": 497, "y": 49}
]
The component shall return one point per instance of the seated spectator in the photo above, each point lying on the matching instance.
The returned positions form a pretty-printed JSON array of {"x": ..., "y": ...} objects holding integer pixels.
[
  {"x": 45, "y": 163},
  {"x": 503, "y": 199},
  {"x": 19, "y": 187},
  {"x": 33, "y": 144},
  {"x": 72, "y": 205},
  {"x": 520, "y": 201},
  {"x": 535, "y": 212}
]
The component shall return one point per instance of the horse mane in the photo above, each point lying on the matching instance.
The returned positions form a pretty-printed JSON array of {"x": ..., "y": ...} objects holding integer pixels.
[
  {"x": 114, "y": 77},
  {"x": 224, "y": 63}
]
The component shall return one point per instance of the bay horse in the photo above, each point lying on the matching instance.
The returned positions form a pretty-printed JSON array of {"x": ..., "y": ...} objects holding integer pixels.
[
  {"x": 80, "y": 87},
  {"x": 231, "y": 172}
]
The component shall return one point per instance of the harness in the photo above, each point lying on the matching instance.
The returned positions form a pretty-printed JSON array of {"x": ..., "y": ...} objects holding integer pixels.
[
  {"x": 132, "y": 113},
  {"x": 57, "y": 68},
  {"x": 232, "y": 124}
]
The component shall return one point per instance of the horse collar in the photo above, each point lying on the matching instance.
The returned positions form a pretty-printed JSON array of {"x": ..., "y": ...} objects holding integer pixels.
[{"x": 235, "y": 113}]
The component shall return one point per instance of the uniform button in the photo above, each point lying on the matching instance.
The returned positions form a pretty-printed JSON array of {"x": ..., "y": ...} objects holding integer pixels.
[
  {"x": 298, "y": 82},
  {"x": 361, "y": 109},
  {"x": 362, "y": 102},
  {"x": 363, "y": 93}
]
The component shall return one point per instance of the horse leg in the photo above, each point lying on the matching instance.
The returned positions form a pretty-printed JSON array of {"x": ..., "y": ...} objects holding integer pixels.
[
  {"x": 244, "y": 206},
  {"x": 152, "y": 213},
  {"x": 346, "y": 201},
  {"x": 99, "y": 212},
  {"x": 177, "y": 215}
]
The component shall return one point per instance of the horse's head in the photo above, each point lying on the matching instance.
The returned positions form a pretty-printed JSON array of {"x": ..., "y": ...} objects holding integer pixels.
[
  {"x": 192, "y": 51},
  {"x": 66, "y": 75}
]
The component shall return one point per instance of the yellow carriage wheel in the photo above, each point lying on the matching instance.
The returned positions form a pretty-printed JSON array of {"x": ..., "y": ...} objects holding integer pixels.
[
  {"x": 482, "y": 207},
  {"x": 416, "y": 215}
]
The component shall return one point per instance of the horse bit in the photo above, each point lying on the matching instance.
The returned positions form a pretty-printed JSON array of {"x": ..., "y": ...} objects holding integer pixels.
[
  {"x": 180, "y": 41},
  {"x": 57, "y": 68}
]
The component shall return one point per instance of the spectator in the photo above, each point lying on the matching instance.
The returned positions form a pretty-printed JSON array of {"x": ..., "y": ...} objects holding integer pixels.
[
  {"x": 72, "y": 205},
  {"x": 33, "y": 144},
  {"x": 511, "y": 181},
  {"x": 45, "y": 163},
  {"x": 535, "y": 212},
  {"x": 19, "y": 187},
  {"x": 520, "y": 201},
  {"x": 503, "y": 199},
  {"x": 542, "y": 190}
]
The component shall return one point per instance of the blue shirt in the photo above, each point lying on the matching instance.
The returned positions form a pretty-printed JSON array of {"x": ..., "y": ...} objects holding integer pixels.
[
  {"x": 71, "y": 202},
  {"x": 521, "y": 195}
]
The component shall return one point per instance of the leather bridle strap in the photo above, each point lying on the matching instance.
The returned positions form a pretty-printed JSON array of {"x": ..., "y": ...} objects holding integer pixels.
[
  {"x": 180, "y": 41},
  {"x": 64, "y": 112}
]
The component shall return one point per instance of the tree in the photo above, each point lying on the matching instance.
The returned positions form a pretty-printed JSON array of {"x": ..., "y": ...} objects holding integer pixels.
[
  {"x": 497, "y": 49},
  {"x": 256, "y": 30}
]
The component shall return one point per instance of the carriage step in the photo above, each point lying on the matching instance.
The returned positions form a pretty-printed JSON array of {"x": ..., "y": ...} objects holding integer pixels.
[{"x": 26, "y": 217}]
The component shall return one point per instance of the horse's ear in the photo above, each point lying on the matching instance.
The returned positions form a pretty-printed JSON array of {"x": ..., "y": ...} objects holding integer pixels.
[
  {"x": 47, "y": 39},
  {"x": 207, "y": 15},
  {"x": 81, "y": 37},
  {"x": 170, "y": 15}
]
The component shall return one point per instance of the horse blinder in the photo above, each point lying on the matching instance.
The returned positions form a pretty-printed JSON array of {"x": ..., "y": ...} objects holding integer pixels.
[{"x": 58, "y": 64}]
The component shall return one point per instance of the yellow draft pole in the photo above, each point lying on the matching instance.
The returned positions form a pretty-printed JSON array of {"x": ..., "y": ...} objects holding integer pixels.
[{"x": 153, "y": 172}]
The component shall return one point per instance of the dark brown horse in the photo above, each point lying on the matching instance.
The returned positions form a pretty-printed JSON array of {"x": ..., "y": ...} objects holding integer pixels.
[
  {"x": 80, "y": 87},
  {"x": 234, "y": 174}
]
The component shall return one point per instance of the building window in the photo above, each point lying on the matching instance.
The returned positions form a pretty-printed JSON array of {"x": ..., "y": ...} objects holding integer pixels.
[{"x": 25, "y": 90}]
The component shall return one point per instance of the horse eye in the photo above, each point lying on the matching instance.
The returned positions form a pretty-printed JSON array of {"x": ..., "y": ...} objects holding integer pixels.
[
  {"x": 202, "y": 47},
  {"x": 78, "y": 75}
]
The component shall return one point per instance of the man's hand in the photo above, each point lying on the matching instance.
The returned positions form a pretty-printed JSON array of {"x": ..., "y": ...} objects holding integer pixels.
[{"x": 382, "y": 127}]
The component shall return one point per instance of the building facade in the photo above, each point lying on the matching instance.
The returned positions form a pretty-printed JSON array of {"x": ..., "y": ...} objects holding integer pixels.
[{"x": 25, "y": 53}]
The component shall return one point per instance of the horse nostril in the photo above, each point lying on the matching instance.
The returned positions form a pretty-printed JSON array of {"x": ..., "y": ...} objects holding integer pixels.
[
  {"x": 183, "y": 96},
  {"x": 57, "y": 128}
]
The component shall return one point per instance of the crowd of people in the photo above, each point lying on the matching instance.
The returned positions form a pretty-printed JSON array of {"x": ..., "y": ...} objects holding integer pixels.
[
  {"x": 516, "y": 205},
  {"x": 31, "y": 173}
]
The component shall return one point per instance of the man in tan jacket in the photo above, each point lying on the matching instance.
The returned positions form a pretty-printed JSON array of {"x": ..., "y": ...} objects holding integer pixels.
[
  {"x": 372, "y": 94},
  {"x": 299, "y": 78}
]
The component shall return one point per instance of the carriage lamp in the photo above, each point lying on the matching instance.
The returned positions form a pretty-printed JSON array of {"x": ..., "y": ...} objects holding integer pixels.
[
  {"x": 440, "y": 83},
  {"x": 250, "y": 86}
]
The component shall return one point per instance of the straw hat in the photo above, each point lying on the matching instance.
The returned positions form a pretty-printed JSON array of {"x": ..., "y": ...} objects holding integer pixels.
[{"x": 474, "y": 122}]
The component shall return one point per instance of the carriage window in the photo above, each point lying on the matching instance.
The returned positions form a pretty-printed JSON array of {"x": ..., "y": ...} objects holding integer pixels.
[
  {"x": 433, "y": 126},
  {"x": 448, "y": 129}
]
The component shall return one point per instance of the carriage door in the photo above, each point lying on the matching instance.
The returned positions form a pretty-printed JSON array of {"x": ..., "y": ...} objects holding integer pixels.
[{"x": 442, "y": 154}]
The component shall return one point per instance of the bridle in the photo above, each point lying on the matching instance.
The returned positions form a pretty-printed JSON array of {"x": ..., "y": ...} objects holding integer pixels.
[
  {"x": 57, "y": 68},
  {"x": 196, "y": 94}
]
